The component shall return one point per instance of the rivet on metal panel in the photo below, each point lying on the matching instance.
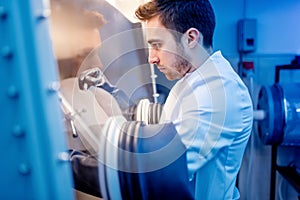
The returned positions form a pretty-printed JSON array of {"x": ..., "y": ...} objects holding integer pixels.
[
  {"x": 53, "y": 87},
  {"x": 24, "y": 169},
  {"x": 3, "y": 13},
  {"x": 12, "y": 92},
  {"x": 43, "y": 14},
  {"x": 6, "y": 52},
  {"x": 63, "y": 156},
  {"x": 18, "y": 131}
]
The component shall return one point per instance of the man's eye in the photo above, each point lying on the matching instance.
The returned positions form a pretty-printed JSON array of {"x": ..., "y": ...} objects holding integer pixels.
[{"x": 156, "y": 45}]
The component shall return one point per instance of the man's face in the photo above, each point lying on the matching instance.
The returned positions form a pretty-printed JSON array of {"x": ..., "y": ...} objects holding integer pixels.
[{"x": 165, "y": 52}]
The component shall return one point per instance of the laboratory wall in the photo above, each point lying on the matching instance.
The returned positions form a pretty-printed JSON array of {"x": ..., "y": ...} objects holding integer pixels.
[
  {"x": 277, "y": 25},
  {"x": 277, "y": 43}
]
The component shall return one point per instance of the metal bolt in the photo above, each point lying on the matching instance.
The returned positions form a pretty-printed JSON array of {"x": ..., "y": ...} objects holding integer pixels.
[
  {"x": 18, "y": 131},
  {"x": 12, "y": 92},
  {"x": 3, "y": 13},
  {"x": 267, "y": 133},
  {"x": 24, "y": 169},
  {"x": 63, "y": 157},
  {"x": 53, "y": 87},
  {"x": 43, "y": 14},
  {"x": 6, "y": 52}
]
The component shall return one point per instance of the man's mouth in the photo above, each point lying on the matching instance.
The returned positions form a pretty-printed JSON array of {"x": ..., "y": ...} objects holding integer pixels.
[{"x": 161, "y": 68}]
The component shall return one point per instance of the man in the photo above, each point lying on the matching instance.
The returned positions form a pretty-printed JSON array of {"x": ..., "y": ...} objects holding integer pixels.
[{"x": 209, "y": 105}]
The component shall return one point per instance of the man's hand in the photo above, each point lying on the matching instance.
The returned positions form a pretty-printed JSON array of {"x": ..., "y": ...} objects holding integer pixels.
[{"x": 91, "y": 77}]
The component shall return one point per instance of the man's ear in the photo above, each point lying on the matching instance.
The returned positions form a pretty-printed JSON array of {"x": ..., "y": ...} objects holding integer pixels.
[{"x": 194, "y": 37}]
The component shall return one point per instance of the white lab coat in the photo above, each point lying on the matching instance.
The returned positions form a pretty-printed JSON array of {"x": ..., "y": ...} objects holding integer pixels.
[{"x": 213, "y": 114}]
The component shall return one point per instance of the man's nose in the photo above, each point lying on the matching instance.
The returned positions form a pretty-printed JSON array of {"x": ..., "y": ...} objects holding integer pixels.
[{"x": 153, "y": 58}]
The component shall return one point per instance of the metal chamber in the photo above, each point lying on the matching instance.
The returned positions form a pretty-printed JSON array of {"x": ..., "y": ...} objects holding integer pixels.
[{"x": 281, "y": 104}]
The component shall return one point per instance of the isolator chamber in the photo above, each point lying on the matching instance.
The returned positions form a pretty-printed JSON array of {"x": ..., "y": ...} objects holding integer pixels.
[{"x": 280, "y": 104}]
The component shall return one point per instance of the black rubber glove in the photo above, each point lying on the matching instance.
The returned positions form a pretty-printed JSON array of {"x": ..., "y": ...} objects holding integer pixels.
[{"x": 85, "y": 172}]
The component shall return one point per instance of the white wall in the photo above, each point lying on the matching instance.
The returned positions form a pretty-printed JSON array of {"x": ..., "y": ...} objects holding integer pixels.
[
  {"x": 227, "y": 15},
  {"x": 278, "y": 27}
]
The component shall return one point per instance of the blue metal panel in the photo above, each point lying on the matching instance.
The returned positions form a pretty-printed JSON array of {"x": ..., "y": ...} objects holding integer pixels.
[{"x": 33, "y": 160}]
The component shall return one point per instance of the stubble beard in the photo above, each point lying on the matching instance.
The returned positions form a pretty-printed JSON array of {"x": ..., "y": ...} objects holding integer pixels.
[{"x": 182, "y": 64}]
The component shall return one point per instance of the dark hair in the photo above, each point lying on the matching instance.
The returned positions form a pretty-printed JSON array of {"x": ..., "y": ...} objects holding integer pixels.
[{"x": 180, "y": 15}]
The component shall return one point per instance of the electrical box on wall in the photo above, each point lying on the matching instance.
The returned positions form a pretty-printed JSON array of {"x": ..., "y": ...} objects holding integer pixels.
[{"x": 247, "y": 35}]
